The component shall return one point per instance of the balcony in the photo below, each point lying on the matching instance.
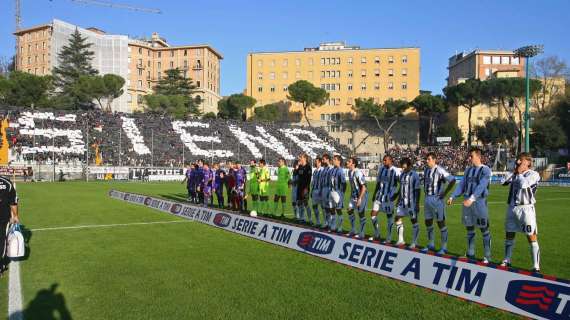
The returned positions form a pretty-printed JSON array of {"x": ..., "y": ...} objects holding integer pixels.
[{"x": 197, "y": 67}]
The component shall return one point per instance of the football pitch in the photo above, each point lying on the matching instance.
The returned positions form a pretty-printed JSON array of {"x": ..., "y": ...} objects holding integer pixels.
[{"x": 93, "y": 257}]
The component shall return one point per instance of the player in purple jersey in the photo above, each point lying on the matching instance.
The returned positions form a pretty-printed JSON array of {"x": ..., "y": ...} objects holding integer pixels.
[
  {"x": 206, "y": 185},
  {"x": 219, "y": 177},
  {"x": 199, "y": 178},
  {"x": 240, "y": 177}
]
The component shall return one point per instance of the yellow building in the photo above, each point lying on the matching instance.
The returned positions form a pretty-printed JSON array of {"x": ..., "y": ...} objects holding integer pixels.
[
  {"x": 346, "y": 72},
  {"x": 142, "y": 62}
]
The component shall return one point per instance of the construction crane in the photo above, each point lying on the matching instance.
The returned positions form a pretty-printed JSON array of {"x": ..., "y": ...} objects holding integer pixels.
[{"x": 88, "y": 2}]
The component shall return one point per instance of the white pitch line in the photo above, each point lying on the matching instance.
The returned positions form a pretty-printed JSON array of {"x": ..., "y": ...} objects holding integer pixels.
[
  {"x": 108, "y": 225},
  {"x": 15, "y": 293}
]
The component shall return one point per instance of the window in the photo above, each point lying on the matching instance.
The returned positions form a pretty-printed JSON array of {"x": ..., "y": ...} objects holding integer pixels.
[
  {"x": 404, "y": 72},
  {"x": 404, "y": 85},
  {"x": 376, "y": 86},
  {"x": 140, "y": 72},
  {"x": 272, "y": 88},
  {"x": 311, "y": 61},
  {"x": 404, "y": 59},
  {"x": 390, "y": 86},
  {"x": 259, "y": 63},
  {"x": 487, "y": 72},
  {"x": 43, "y": 45},
  {"x": 185, "y": 53},
  {"x": 323, "y": 74},
  {"x": 159, "y": 54},
  {"x": 159, "y": 65},
  {"x": 363, "y": 60},
  {"x": 349, "y": 87},
  {"x": 349, "y": 101},
  {"x": 198, "y": 84},
  {"x": 322, "y": 117},
  {"x": 139, "y": 99},
  {"x": 338, "y": 74},
  {"x": 390, "y": 59},
  {"x": 327, "y": 86},
  {"x": 496, "y": 60},
  {"x": 148, "y": 63},
  {"x": 390, "y": 72},
  {"x": 323, "y": 60},
  {"x": 377, "y": 60},
  {"x": 363, "y": 73},
  {"x": 377, "y": 73},
  {"x": 260, "y": 89},
  {"x": 515, "y": 60},
  {"x": 171, "y": 64},
  {"x": 159, "y": 75},
  {"x": 349, "y": 73},
  {"x": 328, "y": 73},
  {"x": 297, "y": 62},
  {"x": 328, "y": 61},
  {"x": 337, "y": 60},
  {"x": 139, "y": 84},
  {"x": 172, "y": 53},
  {"x": 363, "y": 86},
  {"x": 148, "y": 74},
  {"x": 285, "y": 75},
  {"x": 486, "y": 60},
  {"x": 272, "y": 76},
  {"x": 349, "y": 140},
  {"x": 285, "y": 88},
  {"x": 297, "y": 75},
  {"x": 259, "y": 76},
  {"x": 140, "y": 50},
  {"x": 310, "y": 74},
  {"x": 349, "y": 60},
  {"x": 504, "y": 60},
  {"x": 272, "y": 64},
  {"x": 285, "y": 62},
  {"x": 185, "y": 64}
]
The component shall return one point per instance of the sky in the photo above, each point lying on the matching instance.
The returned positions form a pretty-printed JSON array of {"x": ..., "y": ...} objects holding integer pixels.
[{"x": 236, "y": 27}]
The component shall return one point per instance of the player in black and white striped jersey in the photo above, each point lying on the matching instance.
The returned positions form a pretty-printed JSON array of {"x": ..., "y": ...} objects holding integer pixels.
[
  {"x": 474, "y": 187},
  {"x": 434, "y": 207},
  {"x": 316, "y": 190},
  {"x": 408, "y": 202},
  {"x": 521, "y": 215},
  {"x": 384, "y": 196}
]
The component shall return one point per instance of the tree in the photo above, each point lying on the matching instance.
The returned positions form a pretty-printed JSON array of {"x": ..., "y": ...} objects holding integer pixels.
[
  {"x": 546, "y": 134},
  {"x": 450, "y": 130},
  {"x": 496, "y": 131},
  {"x": 108, "y": 88},
  {"x": 7, "y": 65},
  {"x": 209, "y": 116},
  {"x": 509, "y": 94},
  {"x": 74, "y": 62},
  {"x": 174, "y": 95},
  {"x": 467, "y": 95},
  {"x": 428, "y": 106},
  {"x": 304, "y": 92},
  {"x": 550, "y": 70},
  {"x": 235, "y": 106},
  {"x": 25, "y": 89},
  {"x": 389, "y": 113},
  {"x": 560, "y": 113},
  {"x": 269, "y": 112}
]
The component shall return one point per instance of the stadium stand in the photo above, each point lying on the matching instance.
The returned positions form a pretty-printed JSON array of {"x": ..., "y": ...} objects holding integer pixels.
[{"x": 143, "y": 139}]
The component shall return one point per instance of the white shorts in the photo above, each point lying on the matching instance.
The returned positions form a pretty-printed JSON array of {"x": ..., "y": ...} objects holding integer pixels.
[
  {"x": 521, "y": 219},
  {"x": 434, "y": 208},
  {"x": 384, "y": 206},
  {"x": 402, "y": 212},
  {"x": 476, "y": 215},
  {"x": 363, "y": 203},
  {"x": 334, "y": 205}
]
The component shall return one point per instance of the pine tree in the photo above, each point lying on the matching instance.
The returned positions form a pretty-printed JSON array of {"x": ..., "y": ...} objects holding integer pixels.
[
  {"x": 173, "y": 95},
  {"x": 74, "y": 62}
]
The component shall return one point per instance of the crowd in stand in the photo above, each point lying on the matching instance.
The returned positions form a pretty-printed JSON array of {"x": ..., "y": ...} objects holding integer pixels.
[{"x": 157, "y": 142}]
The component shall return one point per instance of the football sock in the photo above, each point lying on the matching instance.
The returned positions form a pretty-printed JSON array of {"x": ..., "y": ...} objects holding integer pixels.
[
  {"x": 400, "y": 231},
  {"x": 275, "y": 206},
  {"x": 352, "y": 227},
  {"x": 339, "y": 220},
  {"x": 415, "y": 232},
  {"x": 301, "y": 212},
  {"x": 317, "y": 217},
  {"x": 487, "y": 244},
  {"x": 444, "y": 235},
  {"x": 389, "y": 226},
  {"x": 362, "y": 226},
  {"x": 471, "y": 243},
  {"x": 282, "y": 208},
  {"x": 308, "y": 210},
  {"x": 375, "y": 226},
  {"x": 332, "y": 224},
  {"x": 327, "y": 218},
  {"x": 431, "y": 240},
  {"x": 509, "y": 245},
  {"x": 535, "y": 252}
]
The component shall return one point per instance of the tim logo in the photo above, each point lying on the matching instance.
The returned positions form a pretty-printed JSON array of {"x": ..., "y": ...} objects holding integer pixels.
[
  {"x": 176, "y": 208},
  {"x": 540, "y": 298},
  {"x": 222, "y": 220},
  {"x": 147, "y": 201},
  {"x": 315, "y": 242},
  {"x": 126, "y": 196}
]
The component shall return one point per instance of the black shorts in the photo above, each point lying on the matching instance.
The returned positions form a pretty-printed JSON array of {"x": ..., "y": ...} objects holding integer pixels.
[
  {"x": 3, "y": 238},
  {"x": 302, "y": 196}
]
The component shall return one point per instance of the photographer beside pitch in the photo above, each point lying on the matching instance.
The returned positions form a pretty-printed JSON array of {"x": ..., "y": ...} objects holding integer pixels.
[
  {"x": 8, "y": 214},
  {"x": 521, "y": 214}
]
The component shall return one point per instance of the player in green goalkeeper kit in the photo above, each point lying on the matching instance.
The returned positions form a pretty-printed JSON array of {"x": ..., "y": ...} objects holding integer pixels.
[
  {"x": 253, "y": 185},
  {"x": 263, "y": 179},
  {"x": 282, "y": 186}
]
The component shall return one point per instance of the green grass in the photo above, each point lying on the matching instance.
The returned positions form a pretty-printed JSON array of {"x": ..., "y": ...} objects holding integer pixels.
[{"x": 192, "y": 271}]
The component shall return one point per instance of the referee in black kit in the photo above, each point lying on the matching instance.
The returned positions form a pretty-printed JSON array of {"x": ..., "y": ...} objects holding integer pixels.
[{"x": 8, "y": 214}]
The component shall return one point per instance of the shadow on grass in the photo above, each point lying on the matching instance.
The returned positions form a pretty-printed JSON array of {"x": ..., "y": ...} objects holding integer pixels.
[{"x": 48, "y": 304}]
